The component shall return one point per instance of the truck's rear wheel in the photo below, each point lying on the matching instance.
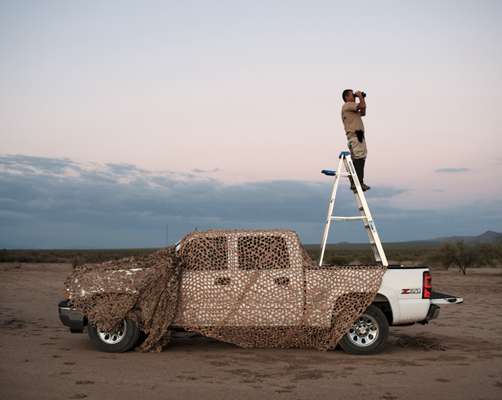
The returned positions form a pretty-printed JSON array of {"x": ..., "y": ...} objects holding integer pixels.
[
  {"x": 368, "y": 334},
  {"x": 123, "y": 338}
]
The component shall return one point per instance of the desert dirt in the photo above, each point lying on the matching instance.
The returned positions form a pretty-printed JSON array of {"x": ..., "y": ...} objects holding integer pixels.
[{"x": 458, "y": 356}]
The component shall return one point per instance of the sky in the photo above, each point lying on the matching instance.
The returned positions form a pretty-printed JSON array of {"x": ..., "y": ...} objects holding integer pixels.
[{"x": 120, "y": 120}]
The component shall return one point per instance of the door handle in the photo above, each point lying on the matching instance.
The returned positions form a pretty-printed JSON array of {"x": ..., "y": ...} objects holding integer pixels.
[
  {"x": 222, "y": 280},
  {"x": 282, "y": 281}
]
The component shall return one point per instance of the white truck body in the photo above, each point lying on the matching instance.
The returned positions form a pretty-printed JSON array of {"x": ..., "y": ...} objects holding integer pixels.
[{"x": 402, "y": 288}]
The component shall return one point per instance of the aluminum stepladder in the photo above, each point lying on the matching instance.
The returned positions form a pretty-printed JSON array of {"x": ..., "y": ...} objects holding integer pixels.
[{"x": 365, "y": 214}]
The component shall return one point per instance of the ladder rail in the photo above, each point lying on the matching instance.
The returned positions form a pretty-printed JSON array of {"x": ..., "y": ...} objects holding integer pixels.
[
  {"x": 369, "y": 232},
  {"x": 331, "y": 205},
  {"x": 364, "y": 209}
]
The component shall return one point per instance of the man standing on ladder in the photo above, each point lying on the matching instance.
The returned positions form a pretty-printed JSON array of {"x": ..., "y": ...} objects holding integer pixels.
[{"x": 354, "y": 129}]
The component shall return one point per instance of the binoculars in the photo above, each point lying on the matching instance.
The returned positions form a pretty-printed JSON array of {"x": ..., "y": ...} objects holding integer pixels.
[{"x": 362, "y": 94}]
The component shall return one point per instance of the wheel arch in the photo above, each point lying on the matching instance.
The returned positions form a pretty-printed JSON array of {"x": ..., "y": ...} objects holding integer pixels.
[{"x": 383, "y": 303}]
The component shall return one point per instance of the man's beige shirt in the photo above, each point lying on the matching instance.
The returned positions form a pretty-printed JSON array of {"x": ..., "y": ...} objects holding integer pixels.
[{"x": 351, "y": 118}]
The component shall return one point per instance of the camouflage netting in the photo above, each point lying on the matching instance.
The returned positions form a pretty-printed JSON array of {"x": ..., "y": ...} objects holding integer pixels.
[
  {"x": 144, "y": 289},
  {"x": 250, "y": 288}
]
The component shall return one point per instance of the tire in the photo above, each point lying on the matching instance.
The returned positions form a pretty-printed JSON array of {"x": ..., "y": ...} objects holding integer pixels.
[
  {"x": 123, "y": 339},
  {"x": 368, "y": 334}
]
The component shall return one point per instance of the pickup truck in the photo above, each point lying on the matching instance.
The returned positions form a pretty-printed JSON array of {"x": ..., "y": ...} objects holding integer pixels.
[{"x": 405, "y": 295}]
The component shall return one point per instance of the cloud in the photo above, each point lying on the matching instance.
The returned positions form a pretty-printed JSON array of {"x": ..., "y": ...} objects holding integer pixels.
[
  {"x": 121, "y": 205},
  {"x": 452, "y": 170},
  {"x": 205, "y": 171}
]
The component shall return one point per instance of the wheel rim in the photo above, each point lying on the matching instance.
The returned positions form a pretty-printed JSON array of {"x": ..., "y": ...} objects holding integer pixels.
[
  {"x": 115, "y": 336},
  {"x": 364, "y": 332}
]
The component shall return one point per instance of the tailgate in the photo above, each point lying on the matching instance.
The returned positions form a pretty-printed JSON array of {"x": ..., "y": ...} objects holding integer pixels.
[{"x": 442, "y": 298}]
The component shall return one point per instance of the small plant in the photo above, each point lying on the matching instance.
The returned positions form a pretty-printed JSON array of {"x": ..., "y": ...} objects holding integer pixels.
[
  {"x": 339, "y": 260},
  {"x": 76, "y": 261},
  {"x": 463, "y": 256}
]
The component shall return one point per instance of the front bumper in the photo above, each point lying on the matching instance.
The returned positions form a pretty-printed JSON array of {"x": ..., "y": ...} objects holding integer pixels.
[{"x": 71, "y": 318}]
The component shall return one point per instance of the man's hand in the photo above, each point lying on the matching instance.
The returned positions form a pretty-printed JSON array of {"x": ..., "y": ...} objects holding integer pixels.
[{"x": 361, "y": 107}]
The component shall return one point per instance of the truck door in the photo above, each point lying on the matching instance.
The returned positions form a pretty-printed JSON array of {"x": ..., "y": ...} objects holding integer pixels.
[
  {"x": 270, "y": 281},
  {"x": 208, "y": 288}
]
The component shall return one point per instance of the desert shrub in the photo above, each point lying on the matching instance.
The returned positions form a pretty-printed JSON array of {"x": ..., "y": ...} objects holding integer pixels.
[
  {"x": 69, "y": 256},
  {"x": 463, "y": 256},
  {"x": 491, "y": 253},
  {"x": 338, "y": 260}
]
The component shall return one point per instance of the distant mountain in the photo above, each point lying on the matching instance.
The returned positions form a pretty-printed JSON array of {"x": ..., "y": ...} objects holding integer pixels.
[{"x": 487, "y": 237}]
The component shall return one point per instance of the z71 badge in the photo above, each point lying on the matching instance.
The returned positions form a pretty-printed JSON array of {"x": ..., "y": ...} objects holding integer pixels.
[{"x": 411, "y": 291}]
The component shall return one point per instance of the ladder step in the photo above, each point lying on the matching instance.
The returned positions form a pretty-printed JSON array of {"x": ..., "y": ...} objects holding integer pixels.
[
  {"x": 329, "y": 172},
  {"x": 340, "y": 218}
]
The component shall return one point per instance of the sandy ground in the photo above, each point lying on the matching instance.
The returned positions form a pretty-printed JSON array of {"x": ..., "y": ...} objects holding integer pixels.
[{"x": 458, "y": 356}]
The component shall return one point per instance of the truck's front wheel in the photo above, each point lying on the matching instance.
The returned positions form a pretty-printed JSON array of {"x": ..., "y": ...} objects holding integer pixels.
[
  {"x": 123, "y": 338},
  {"x": 368, "y": 334}
]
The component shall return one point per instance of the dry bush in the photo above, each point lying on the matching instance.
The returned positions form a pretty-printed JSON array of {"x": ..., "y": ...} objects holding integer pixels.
[{"x": 463, "y": 255}]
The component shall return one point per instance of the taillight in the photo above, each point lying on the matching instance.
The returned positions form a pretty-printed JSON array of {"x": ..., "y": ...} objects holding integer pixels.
[{"x": 427, "y": 285}]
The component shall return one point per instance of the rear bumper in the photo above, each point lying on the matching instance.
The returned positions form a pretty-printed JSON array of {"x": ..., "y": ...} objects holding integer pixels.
[
  {"x": 71, "y": 318},
  {"x": 433, "y": 313}
]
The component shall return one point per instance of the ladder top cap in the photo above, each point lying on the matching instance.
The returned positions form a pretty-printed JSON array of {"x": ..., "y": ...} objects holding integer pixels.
[
  {"x": 344, "y": 154},
  {"x": 328, "y": 172}
]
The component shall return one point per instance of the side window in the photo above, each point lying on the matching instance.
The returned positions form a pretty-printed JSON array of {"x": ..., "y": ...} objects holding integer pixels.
[
  {"x": 262, "y": 252},
  {"x": 205, "y": 254}
]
